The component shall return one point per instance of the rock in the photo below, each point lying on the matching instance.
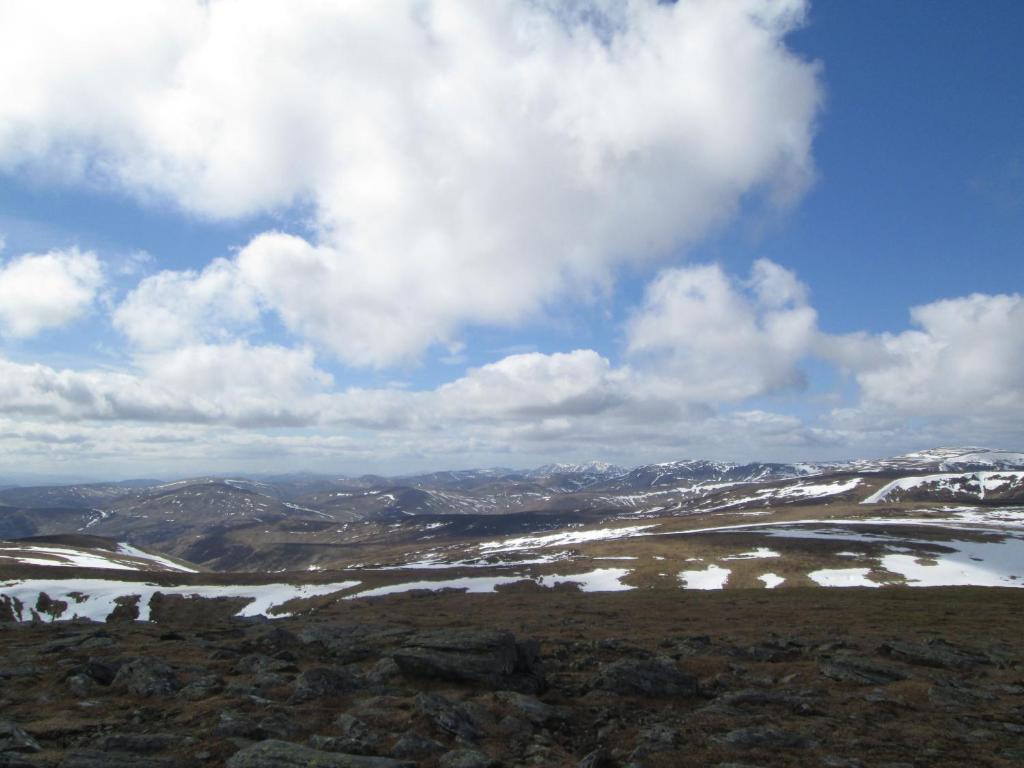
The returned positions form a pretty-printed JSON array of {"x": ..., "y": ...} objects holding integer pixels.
[
  {"x": 599, "y": 758},
  {"x": 258, "y": 663},
  {"x": 934, "y": 653},
  {"x": 851, "y": 668},
  {"x": 202, "y": 688},
  {"x": 415, "y": 746},
  {"x": 147, "y": 676},
  {"x": 82, "y": 686},
  {"x": 13, "y": 739},
  {"x": 799, "y": 703},
  {"x": 764, "y": 737},
  {"x": 958, "y": 696},
  {"x": 322, "y": 682},
  {"x": 383, "y": 672},
  {"x": 101, "y": 671},
  {"x": 13, "y": 759},
  {"x": 237, "y": 725},
  {"x": 645, "y": 677},
  {"x": 271, "y": 639},
  {"x": 465, "y": 758},
  {"x": 489, "y": 657},
  {"x": 449, "y": 716},
  {"x": 138, "y": 743},
  {"x": 88, "y": 758},
  {"x": 354, "y": 737},
  {"x": 281, "y": 754},
  {"x": 351, "y": 643},
  {"x": 533, "y": 709},
  {"x": 278, "y": 726}
]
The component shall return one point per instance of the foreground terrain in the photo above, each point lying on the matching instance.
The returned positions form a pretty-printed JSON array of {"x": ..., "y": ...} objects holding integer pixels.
[
  {"x": 680, "y": 614},
  {"x": 525, "y": 676}
]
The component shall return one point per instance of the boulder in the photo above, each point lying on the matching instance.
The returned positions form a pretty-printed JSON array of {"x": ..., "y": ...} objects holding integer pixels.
[
  {"x": 354, "y": 737},
  {"x": 412, "y": 745},
  {"x": 488, "y": 657},
  {"x": 146, "y": 676},
  {"x": 324, "y": 682},
  {"x": 645, "y": 677}
]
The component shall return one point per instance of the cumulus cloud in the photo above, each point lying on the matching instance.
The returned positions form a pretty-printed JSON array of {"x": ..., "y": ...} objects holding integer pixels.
[
  {"x": 47, "y": 290},
  {"x": 463, "y": 162},
  {"x": 233, "y": 384},
  {"x": 705, "y": 336},
  {"x": 172, "y": 308},
  {"x": 964, "y": 359}
]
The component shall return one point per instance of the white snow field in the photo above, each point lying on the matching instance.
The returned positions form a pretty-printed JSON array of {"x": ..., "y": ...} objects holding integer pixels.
[
  {"x": 599, "y": 580},
  {"x": 131, "y": 558},
  {"x": 563, "y": 539},
  {"x": 97, "y": 598}
]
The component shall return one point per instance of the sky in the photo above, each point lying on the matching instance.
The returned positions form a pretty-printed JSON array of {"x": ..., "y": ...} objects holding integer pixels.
[{"x": 392, "y": 237}]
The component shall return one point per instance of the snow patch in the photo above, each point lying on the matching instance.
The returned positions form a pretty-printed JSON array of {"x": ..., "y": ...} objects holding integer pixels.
[
  {"x": 771, "y": 581},
  {"x": 563, "y": 538},
  {"x": 712, "y": 577},
  {"x": 842, "y": 577}
]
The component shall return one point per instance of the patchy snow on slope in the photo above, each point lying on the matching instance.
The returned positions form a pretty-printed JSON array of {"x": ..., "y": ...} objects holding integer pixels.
[
  {"x": 437, "y": 563},
  {"x": 972, "y": 483},
  {"x": 757, "y": 554},
  {"x": 796, "y": 492},
  {"x": 599, "y": 580},
  {"x": 124, "y": 558},
  {"x": 97, "y": 598},
  {"x": 128, "y": 549},
  {"x": 562, "y": 539},
  {"x": 842, "y": 577},
  {"x": 712, "y": 577}
]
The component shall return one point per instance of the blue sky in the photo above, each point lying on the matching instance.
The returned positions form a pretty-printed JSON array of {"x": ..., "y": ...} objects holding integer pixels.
[{"x": 346, "y": 272}]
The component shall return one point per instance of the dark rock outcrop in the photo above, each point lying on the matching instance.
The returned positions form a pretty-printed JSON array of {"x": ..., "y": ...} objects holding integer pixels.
[
  {"x": 658, "y": 676},
  {"x": 491, "y": 658}
]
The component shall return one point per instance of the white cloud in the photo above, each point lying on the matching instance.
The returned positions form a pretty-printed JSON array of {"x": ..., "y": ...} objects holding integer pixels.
[
  {"x": 534, "y": 385},
  {"x": 233, "y": 384},
  {"x": 964, "y": 361},
  {"x": 48, "y": 290},
  {"x": 173, "y": 308},
  {"x": 703, "y": 336},
  {"x": 463, "y": 162}
]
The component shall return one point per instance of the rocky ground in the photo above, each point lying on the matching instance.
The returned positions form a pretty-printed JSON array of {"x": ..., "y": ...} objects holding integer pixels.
[{"x": 530, "y": 677}]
